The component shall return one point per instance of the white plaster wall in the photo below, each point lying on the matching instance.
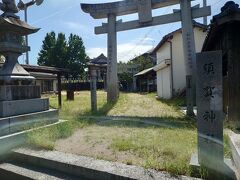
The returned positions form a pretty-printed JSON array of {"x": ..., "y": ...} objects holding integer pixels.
[
  {"x": 164, "y": 83},
  {"x": 178, "y": 62},
  {"x": 163, "y": 53}
]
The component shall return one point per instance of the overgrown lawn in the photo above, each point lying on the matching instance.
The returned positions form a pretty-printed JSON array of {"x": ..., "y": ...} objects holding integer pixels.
[{"x": 166, "y": 146}]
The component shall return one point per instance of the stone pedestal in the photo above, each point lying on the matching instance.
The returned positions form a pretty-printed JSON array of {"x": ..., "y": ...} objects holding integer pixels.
[
  {"x": 21, "y": 107},
  {"x": 8, "y": 93},
  {"x": 13, "y": 124}
]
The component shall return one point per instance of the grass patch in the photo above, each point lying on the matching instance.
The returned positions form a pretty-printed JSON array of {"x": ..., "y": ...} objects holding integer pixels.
[
  {"x": 46, "y": 138},
  {"x": 73, "y": 110},
  {"x": 128, "y": 104},
  {"x": 162, "y": 149}
]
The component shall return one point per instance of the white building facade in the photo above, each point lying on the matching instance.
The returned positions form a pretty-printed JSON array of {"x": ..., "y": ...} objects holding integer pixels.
[{"x": 170, "y": 68}]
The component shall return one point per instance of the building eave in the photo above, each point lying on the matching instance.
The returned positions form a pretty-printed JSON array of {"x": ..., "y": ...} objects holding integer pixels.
[{"x": 165, "y": 63}]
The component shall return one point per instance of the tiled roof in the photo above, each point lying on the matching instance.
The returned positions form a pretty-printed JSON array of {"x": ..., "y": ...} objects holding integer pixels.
[{"x": 99, "y": 60}]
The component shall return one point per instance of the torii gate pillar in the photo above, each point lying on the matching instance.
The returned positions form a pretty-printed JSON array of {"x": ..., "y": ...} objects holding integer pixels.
[
  {"x": 112, "y": 78},
  {"x": 189, "y": 54}
]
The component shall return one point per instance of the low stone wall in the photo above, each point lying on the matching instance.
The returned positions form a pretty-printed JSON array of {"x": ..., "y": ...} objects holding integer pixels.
[
  {"x": 15, "y": 124},
  {"x": 9, "y": 93},
  {"x": 19, "y": 107}
]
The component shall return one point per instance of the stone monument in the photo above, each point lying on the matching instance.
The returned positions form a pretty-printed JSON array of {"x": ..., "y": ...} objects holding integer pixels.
[
  {"x": 210, "y": 117},
  {"x": 21, "y": 104},
  {"x": 210, "y": 108}
]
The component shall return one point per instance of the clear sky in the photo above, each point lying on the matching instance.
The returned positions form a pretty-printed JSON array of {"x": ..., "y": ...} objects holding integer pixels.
[{"x": 66, "y": 16}]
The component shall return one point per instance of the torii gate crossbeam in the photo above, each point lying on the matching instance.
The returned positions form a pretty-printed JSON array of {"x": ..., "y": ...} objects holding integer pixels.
[{"x": 144, "y": 9}]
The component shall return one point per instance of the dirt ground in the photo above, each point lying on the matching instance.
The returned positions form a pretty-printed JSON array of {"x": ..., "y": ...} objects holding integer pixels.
[{"x": 83, "y": 142}]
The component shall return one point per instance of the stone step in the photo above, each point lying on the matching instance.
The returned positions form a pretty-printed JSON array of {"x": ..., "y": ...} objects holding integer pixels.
[
  {"x": 13, "y": 171},
  {"x": 87, "y": 167},
  {"x": 9, "y": 142}
]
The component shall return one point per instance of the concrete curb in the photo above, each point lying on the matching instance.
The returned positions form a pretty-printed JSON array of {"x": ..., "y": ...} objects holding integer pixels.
[
  {"x": 88, "y": 167},
  {"x": 102, "y": 120},
  {"x": 11, "y": 141}
]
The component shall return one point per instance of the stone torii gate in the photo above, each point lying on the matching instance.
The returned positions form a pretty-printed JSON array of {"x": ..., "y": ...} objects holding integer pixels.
[{"x": 144, "y": 9}]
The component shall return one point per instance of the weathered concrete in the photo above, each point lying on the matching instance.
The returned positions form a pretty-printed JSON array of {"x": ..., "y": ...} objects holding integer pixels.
[
  {"x": 100, "y": 11},
  {"x": 13, "y": 171},
  {"x": 144, "y": 11},
  {"x": 18, "y": 107},
  {"x": 9, "y": 93},
  {"x": 8, "y": 142},
  {"x": 15, "y": 124},
  {"x": 189, "y": 52},
  {"x": 226, "y": 170},
  {"x": 158, "y": 20},
  {"x": 210, "y": 109},
  {"x": 234, "y": 140},
  {"x": 190, "y": 96},
  {"x": 88, "y": 167},
  {"x": 112, "y": 78}
]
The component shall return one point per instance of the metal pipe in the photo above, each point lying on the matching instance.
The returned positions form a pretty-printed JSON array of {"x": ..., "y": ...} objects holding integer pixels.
[
  {"x": 171, "y": 57},
  {"x": 26, "y": 37},
  {"x": 24, "y": 6}
]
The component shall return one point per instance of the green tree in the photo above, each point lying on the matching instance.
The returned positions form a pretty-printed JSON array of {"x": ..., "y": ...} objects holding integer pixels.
[
  {"x": 142, "y": 62},
  {"x": 46, "y": 54},
  {"x": 59, "y": 52},
  {"x": 76, "y": 55}
]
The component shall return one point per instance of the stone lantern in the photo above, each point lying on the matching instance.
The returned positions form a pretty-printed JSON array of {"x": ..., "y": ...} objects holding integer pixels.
[
  {"x": 12, "y": 32},
  {"x": 21, "y": 105}
]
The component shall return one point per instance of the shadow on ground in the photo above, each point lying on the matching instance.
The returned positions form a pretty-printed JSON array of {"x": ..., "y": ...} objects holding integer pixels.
[
  {"x": 102, "y": 111},
  {"x": 141, "y": 122}
]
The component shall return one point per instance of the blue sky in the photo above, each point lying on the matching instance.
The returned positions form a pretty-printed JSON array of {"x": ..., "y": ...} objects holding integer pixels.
[{"x": 66, "y": 16}]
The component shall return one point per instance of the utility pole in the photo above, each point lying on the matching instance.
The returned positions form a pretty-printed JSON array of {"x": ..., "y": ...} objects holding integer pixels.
[
  {"x": 24, "y": 6},
  {"x": 26, "y": 37}
]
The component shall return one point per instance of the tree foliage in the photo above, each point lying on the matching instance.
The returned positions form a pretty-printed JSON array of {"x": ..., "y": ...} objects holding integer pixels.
[
  {"x": 62, "y": 53},
  {"x": 142, "y": 62}
]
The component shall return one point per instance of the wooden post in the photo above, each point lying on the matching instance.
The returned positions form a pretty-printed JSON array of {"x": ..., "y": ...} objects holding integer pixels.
[
  {"x": 93, "y": 87},
  {"x": 59, "y": 91}
]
